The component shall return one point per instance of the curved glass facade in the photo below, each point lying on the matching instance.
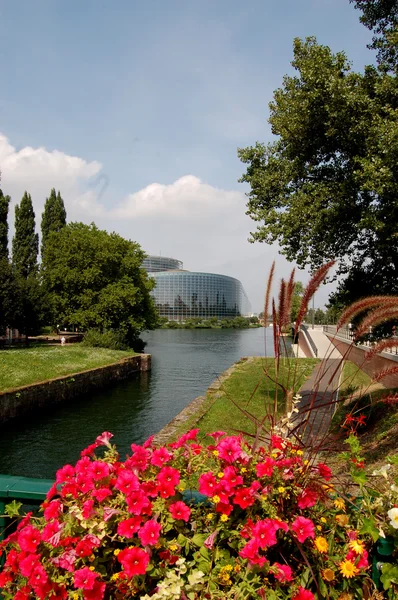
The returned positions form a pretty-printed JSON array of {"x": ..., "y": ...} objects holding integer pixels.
[
  {"x": 154, "y": 264},
  {"x": 181, "y": 295}
]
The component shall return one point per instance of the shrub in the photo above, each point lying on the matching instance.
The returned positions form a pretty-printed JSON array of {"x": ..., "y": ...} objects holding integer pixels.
[{"x": 114, "y": 340}]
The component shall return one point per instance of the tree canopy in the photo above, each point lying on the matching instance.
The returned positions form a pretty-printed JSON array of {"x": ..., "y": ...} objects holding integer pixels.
[
  {"x": 25, "y": 243},
  {"x": 53, "y": 217},
  {"x": 327, "y": 187},
  {"x": 4, "y": 204},
  {"x": 95, "y": 280}
]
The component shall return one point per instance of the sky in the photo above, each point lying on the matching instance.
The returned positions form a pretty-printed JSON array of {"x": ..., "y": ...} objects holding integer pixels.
[{"x": 134, "y": 110}]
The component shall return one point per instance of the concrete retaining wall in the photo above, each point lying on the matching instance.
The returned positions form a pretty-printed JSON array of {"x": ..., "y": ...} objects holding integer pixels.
[
  {"x": 378, "y": 362},
  {"x": 23, "y": 401}
]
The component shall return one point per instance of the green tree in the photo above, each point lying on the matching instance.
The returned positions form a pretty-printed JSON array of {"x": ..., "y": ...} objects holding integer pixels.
[
  {"x": 381, "y": 16},
  {"x": 4, "y": 204},
  {"x": 296, "y": 300},
  {"x": 25, "y": 243},
  {"x": 327, "y": 186},
  {"x": 95, "y": 281},
  {"x": 53, "y": 217},
  {"x": 9, "y": 296}
]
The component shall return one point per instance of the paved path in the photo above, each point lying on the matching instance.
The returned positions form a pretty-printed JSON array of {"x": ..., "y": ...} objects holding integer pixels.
[
  {"x": 322, "y": 342},
  {"x": 318, "y": 397}
]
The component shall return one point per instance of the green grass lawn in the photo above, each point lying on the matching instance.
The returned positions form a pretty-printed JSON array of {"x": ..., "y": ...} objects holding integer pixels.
[
  {"x": 251, "y": 389},
  {"x": 353, "y": 379},
  {"x": 19, "y": 367}
]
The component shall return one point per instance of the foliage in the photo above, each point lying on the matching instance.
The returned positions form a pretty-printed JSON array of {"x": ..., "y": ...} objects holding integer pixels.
[
  {"x": 95, "y": 281},
  {"x": 270, "y": 524},
  {"x": 382, "y": 17},
  {"x": 210, "y": 323},
  {"x": 53, "y": 217},
  {"x": 327, "y": 187},
  {"x": 30, "y": 304},
  {"x": 114, "y": 340},
  {"x": 4, "y": 204},
  {"x": 296, "y": 300},
  {"x": 25, "y": 243},
  {"x": 8, "y": 294}
]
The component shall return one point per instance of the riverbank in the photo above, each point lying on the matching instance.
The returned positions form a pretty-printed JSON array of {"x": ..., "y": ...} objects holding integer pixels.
[{"x": 22, "y": 401}]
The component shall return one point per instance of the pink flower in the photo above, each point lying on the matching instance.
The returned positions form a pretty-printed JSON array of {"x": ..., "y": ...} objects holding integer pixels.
[
  {"x": 97, "y": 593},
  {"x": 127, "y": 482},
  {"x": 229, "y": 449},
  {"x": 264, "y": 532},
  {"x": 140, "y": 458},
  {"x": 230, "y": 479},
  {"x": 209, "y": 541},
  {"x": 65, "y": 474},
  {"x": 99, "y": 470},
  {"x": 160, "y": 457},
  {"x": 169, "y": 476},
  {"x": 53, "y": 510},
  {"x": 244, "y": 497},
  {"x": 129, "y": 527},
  {"x": 190, "y": 435},
  {"x": 266, "y": 468},
  {"x": 250, "y": 552},
  {"x": 303, "y": 528},
  {"x": 138, "y": 503},
  {"x": 307, "y": 498},
  {"x": 85, "y": 579},
  {"x": 148, "y": 442},
  {"x": 149, "y": 533},
  {"x": 208, "y": 484},
  {"x": 29, "y": 538},
  {"x": 101, "y": 494},
  {"x": 28, "y": 564},
  {"x": 66, "y": 560},
  {"x": 103, "y": 439},
  {"x": 303, "y": 594},
  {"x": 180, "y": 511},
  {"x": 50, "y": 531},
  {"x": 216, "y": 435},
  {"x": 39, "y": 582},
  {"x": 134, "y": 561},
  {"x": 324, "y": 471},
  {"x": 284, "y": 573},
  {"x": 88, "y": 509}
]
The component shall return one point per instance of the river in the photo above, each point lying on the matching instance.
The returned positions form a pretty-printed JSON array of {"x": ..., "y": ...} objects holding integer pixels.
[{"x": 184, "y": 363}]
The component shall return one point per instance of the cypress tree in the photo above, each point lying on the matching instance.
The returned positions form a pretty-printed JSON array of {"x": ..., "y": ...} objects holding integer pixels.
[
  {"x": 25, "y": 243},
  {"x": 53, "y": 217},
  {"x": 4, "y": 203}
]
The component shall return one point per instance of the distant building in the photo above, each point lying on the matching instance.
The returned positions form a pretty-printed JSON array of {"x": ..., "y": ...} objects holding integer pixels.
[{"x": 181, "y": 295}]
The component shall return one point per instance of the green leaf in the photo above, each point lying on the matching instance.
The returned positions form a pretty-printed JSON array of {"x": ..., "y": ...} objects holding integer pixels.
[
  {"x": 12, "y": 509},
  {"x": 199, "y": 539},
  {"x": 369, "y": 528},
  {"x": 389, "y": 575}
]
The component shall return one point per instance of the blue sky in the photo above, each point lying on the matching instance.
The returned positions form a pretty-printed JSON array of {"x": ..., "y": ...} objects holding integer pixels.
[{"x": 135, "y": 109}]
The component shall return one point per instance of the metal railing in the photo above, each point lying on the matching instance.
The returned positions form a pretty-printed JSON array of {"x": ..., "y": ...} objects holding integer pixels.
[
  {"x": 348, "y": 334},
  {"x": 304, "y": 329}
]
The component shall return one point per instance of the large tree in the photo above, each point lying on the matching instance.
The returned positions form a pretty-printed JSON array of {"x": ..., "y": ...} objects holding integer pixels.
[
  {"x": 25, "y": 243},
  {"x": 95, "y": 280},
  {"x": 53, "y": 217},
  {"x": 4, "y": 204},
  {"x": 327, "y": 187}
]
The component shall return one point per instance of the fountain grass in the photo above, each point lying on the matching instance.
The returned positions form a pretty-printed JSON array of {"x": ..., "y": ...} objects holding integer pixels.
[
  {"x": 24, "y": 366},
  {"x": 249, "y": 389}
]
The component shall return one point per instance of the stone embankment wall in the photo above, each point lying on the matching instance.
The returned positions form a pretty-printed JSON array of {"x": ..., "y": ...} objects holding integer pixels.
[
  {"x": 378, "y": 363},
  {"x": 23, "y": 401},
  {"x": 197, "y": 408}
]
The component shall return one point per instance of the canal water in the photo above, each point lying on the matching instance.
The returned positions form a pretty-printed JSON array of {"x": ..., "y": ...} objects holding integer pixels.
[{"x": 184, "y": 364}]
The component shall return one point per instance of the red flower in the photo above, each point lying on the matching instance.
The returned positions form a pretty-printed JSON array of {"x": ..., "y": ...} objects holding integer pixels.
[
  {"x": 230, "y": 479},
  {"x": 28, "y": 564},
  {"x": 85, "y": 579},
  {"x": 97, "y": 593},
  {"x": 39, "y": 582},
  {"x": 149, "y": 533},
  {"x": 101, "y": 494},
  {"x": 134, "y": 561},
  {"x": 266, "y": 468},
  {"x": 86, "y": 545},
  {"x": 160, "y": 457},
  {"x": 169, "y": 476},
  {"x": 264, "y": 532},
  {"x": 250, "y": 552},
  {"x": 180, "y": 511},
  {"x": 129, "y": 527},
  {"x": 140, "y": 458},
  {"x": 208, "y": 484},
  {"x": 284, "y": 573},
  {"x": 127, "y": 482},
  {"x": 65, "y": 474},
  {"x": 303, "y": 594},
  {"x": 307, "y": 498},
  {"x": 303, "y": 528},
  {"x": 23, "y": 593},
  {"x": 224, "y": 508},
  {"x": 53, "y": 510},
  {"x": 99, "y": 470},
  {"x": 229, "y": 449},
  {"x": 244, "y": 497},
  {"x": 103, "y": 439},
  {"x": 29, "y": 538},
  {"x": 138, "y": 503},
  {"x": 52, "y": 533},
  {"x": 324, "y": 471}
]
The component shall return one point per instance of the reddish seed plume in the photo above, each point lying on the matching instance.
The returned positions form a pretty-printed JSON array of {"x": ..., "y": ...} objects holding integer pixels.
[
  {"x": 374, "y": 318},
  {"x": 365, "y": 304},
  {"x": 275, "y": 329},
  {"x": 385, "y": 373},
  {"x": 289, "y": 296},
  {"x": 281, "y": 307},
  {"x": 310, "y": 290},
  {"x": 390, "y": 399},
  {"x": 380, "y": 346},
  {"x": 268, "y": 293}
]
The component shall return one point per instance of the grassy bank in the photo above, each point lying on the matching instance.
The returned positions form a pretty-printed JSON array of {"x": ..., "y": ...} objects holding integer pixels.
[
  {"x": 19, "y": 367},
  {"x": 248, "y": 388}
]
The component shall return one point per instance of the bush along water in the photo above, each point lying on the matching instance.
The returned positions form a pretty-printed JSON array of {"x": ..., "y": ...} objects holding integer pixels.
[{"x": 273, "y": 521}]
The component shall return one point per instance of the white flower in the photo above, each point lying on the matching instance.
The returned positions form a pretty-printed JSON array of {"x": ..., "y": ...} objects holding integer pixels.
[
  {"x": 393, "y": 515},
  {"x": 382, "y": 471}
]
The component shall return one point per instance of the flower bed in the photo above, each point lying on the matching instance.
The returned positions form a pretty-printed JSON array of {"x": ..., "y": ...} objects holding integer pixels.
[{"x": 272, "y": 526}]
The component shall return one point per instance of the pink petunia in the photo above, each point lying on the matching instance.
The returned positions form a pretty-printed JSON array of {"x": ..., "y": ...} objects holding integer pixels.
[
  {"x": 324, "y": 471},
  {"x": 140, "y": 458},
  {"x": 101, "y": 493},
  {"x": 230, "y": 480},
  {"x": 149, "y": 533},
  {"x": 99, "y": 470},
  {"x": 28, "y": 564},
  {"x": 29, "y": 538},
  {"x": 303, "y": 528},
  {"x": 229, "y": 449},
  {"x": 138, "y": 503},
  {"x": 264, "y": 532},
  {"x": 265, "y": 468},
  {"x": 283, "y": 573},
  {"x": 134, "y": 561},
  {"x": 250, "y": 552},
  {"x": 104, "y": 439},
  {"x": 208, "y": 484},
  {"x": 303, "y": 594},
  {"x": 97, "y": 593},
  {"x": 129, "y": 527},
  {"x": 307, "y": 498},
  {"x": 65, "y": 474},
  {"x": 52, "y": 510},
  {"x": 160, "y": 457},
  {"x": 85, "y": 578},
  {"x": 127, "y": 482},
  {"x": 244, "y": 497},
  {"x": 180, "y": 511}
]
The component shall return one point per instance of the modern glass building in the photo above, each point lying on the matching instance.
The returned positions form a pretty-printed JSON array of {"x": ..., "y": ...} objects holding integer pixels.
[
  {"x": 154, "y": 264},
  {"x": 181, "y": 295}
]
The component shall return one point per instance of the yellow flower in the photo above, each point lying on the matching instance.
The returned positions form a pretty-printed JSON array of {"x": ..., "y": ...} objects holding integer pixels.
[
  {"x": 339, "y": 504},
  {"x": 224, "y": 518},
  {"x": 319, "y": 527},
  {"x": 300, "y": 452},
  {"x": 116, "y": 552},
  {"x": 115, "y": 576},
  {"x": 216, "y": 452},
  {"x": 209, "y": 516},
  {"x": 237, "y": 568},
  {"x": 173, "y": 547},
  {"x": 92, "y": 568},
  {"x": 220, "y": 475},
  {"x": 322, "y": 520},
  {"x": 342, "y": 520},
  {"x": 345, "y": 596},
  {"x": 281, "y": 489},
  {"x": 228, "y": 567},
  {"x": 243, "y": 470},
  {"x": 306, "y": 462},
  {"x": 321, "y": 544},
  {"x": 357, "y": 546},
  {"x": 75, "y": 596},
  {"x": 181, "y": 488},
  {"x": 216, "y": 499},
  {"x": 328, "y": 574},
  {"x": 348, "y": 569}
]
